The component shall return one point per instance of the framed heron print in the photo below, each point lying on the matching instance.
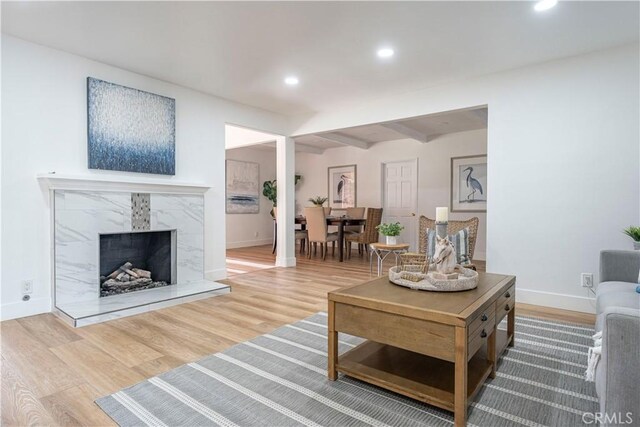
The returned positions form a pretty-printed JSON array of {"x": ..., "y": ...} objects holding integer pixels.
[
  {"x": 469, "y": 183},
  {"x": 342, "y": 186}
]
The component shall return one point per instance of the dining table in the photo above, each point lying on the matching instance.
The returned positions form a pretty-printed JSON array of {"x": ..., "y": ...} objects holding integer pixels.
[{"x": 339, "y": 221}]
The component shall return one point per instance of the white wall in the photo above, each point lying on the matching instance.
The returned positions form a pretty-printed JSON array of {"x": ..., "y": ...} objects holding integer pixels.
[
  {"x": 434, "y": 162},
  {"x": 563, "y": 147},
  {"x": 242, "y": 228},
  {"x": 44, "y": 129}
]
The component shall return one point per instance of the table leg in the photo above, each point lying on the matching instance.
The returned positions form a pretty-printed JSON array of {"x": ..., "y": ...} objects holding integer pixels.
[
  {"x": 491, "y": 351},
  {"x": 371, "y": 261},
  {"x": 275, "y": 236},
  {"x": 341, "y": 240},
  {"x": 332, "y": 373},
  {"x": 460, "y": 393},
  {"x": 511, "y": 327}
]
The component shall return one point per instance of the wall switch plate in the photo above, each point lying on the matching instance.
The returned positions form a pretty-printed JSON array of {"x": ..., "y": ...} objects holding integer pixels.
[
  {"x": 255, "y": 234},
  {"x": 586, "y": 280},
  {"x": 27, "y": 287}
]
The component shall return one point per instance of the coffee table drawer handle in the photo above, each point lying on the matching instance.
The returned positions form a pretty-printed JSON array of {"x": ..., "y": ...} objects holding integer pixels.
[
  {"x": 484, "y": 317},
  {"x": 506, "y": 307},
  {"x": 483, "y": 334},
  {"x": 508, "y": 295}
]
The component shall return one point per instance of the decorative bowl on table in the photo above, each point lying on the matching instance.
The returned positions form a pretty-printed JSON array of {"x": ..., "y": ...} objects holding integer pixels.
[{"x": 414, "y": 277}]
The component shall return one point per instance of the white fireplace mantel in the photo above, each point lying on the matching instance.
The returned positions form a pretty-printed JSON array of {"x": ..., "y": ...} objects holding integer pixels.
[{"x": 55, "y": 181}]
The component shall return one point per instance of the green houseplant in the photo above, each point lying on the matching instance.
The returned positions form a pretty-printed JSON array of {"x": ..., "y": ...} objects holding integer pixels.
[
  {"x": 318, "y": 201},
  {"x": 391, "y": 231},
  {"x": 270, "y": 191},
  {"x": 634, "y": 233}
]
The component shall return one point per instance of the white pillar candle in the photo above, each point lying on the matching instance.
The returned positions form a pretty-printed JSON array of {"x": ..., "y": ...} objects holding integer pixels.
[{"x": 442, "y": 214}]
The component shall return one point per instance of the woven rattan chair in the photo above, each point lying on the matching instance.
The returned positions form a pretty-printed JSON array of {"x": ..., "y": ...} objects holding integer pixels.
[
  {"x": 317, "y": 231},
  {"x": 453, "y": 227},
  {"x": 354, "y": 213},
  {"x": 368, "y": 235}
]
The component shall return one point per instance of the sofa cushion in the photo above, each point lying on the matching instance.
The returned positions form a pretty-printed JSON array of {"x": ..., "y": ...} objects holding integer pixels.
[
  {"x": 607, "y": 287},
  {"x": 616, "y": 294},
  {"x": 625, "y": 298}
]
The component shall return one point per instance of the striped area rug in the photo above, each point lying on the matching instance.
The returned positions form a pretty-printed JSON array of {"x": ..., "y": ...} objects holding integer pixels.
[{"x": 279, "y": 379}]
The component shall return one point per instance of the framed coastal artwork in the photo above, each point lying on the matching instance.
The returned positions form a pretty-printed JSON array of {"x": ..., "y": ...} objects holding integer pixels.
[
  {"x": 242, "y": 187},
  {"x": 342, "y": 186},
  {"x": 130, "y": 130},
  {"x": 469, "y": 183}
]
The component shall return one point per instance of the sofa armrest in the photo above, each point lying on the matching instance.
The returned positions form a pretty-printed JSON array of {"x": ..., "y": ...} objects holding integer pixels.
[
  {"x": 621, "y": 361},
  {"x": 619, "y": 266}
]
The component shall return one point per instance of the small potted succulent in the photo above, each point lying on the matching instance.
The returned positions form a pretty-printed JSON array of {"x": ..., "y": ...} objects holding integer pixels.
[
  {"x": 318, "y": 201},
  {"x": 634, "y": 233},
  {"x": 391, "y": 231}
]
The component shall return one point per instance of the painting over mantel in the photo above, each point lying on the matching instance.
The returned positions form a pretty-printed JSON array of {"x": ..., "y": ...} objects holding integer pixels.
[{"x": 130, "y": 130}]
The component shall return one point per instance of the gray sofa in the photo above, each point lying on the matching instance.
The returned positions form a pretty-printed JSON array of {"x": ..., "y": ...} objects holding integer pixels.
[{"x": 618, "y": 317}]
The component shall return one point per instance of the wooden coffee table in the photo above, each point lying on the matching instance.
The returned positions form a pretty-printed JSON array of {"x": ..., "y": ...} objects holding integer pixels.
[{"x": 436, "y": 347}]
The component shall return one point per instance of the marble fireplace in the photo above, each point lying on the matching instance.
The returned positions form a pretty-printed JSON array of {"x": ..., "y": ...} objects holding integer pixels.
[
  {"x": 134, "y": 261},
  {"x": 155, "y": 234}
]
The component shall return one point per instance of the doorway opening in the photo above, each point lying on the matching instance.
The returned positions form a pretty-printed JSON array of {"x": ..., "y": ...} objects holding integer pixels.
[{"x": 249, "y": 226}]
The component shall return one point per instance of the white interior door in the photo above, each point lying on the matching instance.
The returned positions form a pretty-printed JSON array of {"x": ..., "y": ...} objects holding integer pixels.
[{"x": 400, "y": 197}]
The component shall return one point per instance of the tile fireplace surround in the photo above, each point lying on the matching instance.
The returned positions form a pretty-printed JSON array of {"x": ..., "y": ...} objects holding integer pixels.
[{"x": 80, "y": 216}]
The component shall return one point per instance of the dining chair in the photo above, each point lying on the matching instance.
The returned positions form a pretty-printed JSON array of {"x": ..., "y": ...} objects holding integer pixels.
[
  {"x": 369, "y": 234},
  {"x": 354, "y": 213},
  {"x": 317, "y": 231},
  {"x": 303, "y": 236}
]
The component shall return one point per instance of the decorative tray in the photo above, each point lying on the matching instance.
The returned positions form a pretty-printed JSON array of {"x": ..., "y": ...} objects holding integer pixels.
[{"x": 404, "y": 276}]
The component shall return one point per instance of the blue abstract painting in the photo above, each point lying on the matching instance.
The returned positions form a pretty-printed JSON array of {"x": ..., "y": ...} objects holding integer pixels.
[{"x": 129, "y": 129}]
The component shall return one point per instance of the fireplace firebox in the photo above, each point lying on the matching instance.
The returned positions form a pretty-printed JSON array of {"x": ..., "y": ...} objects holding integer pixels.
[{"x": 136, "y": 261}]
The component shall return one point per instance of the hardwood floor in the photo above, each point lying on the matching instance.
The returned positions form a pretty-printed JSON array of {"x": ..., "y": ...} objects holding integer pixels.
[{"x": 52, "y": 373}]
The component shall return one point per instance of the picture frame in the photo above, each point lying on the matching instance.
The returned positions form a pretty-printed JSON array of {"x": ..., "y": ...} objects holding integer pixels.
[
  {"x": 242, "y": 187},
  {"x": 468, "y": 190},
  {"x": 342, "y": 186}
]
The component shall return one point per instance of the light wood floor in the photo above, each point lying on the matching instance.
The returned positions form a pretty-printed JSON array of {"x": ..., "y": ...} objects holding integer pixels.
[{"x": 52, "y": 373}]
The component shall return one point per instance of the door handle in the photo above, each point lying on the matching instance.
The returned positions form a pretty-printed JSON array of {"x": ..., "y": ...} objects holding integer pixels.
[{"x": 413, "y": 214}]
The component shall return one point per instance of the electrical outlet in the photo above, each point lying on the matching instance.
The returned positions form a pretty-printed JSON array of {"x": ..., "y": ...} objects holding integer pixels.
[
  {"x": 27, "y": 287},
  {"x": 255, "y": 234},
  {"x": 586, "y": 280}
]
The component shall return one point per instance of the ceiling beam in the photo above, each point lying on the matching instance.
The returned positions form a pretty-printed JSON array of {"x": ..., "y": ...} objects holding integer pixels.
[
  {"x": 303, "y": 148},
  {"x": 406, "y": 131},
  {"x": 344, "y": 140}
]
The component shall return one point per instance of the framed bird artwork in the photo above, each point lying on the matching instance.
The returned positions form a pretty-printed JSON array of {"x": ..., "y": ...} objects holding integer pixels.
[
  {"x": 469, "y": 183},
  {"x": 342, "y": 182}
]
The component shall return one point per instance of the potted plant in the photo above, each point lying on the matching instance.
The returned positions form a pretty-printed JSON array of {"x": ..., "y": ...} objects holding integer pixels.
[
  {"x": 391, "y": 231},
  {"x": 270, "y": 191},
  {"x": 634, "y": 233},
  {"x": 318, "y": 201}
]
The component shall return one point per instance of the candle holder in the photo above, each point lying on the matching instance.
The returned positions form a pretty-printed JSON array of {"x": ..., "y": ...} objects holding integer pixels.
[{"x": 441, "y": 228}]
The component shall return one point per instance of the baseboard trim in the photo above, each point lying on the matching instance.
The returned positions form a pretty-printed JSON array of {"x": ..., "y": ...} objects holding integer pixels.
[
  {"x": 249, "y": 243},
  {"x": 217, "y": 274},
  {"x": 551, "y": 299},
  {"x": 16, "y": 310}
]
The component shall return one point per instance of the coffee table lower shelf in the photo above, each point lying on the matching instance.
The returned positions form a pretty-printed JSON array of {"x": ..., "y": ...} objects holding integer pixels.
[{"x": 415, "y": 375}]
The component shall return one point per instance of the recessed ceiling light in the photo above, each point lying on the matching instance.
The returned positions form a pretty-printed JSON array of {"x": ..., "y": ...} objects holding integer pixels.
[
  {"x": 545, "y": 5},
  {"x": 291, "y": 80},
  {"x": 385, "y": 52}
]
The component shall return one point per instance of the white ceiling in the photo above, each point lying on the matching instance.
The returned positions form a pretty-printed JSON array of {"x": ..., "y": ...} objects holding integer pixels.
[
  {"x": 423, "y": 129},
  {"x": 243, "y": 50}
]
